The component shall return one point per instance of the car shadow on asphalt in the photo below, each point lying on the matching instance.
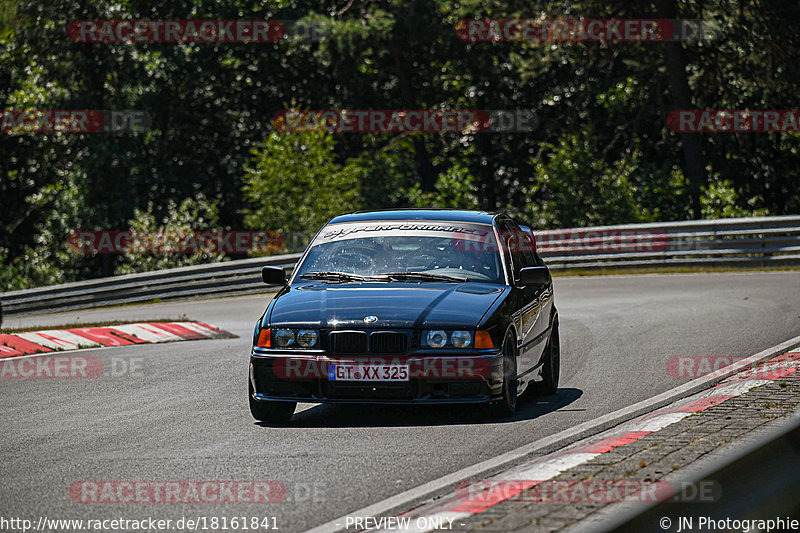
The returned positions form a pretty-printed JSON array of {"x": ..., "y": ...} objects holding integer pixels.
[{"x": 366, "y": 415}]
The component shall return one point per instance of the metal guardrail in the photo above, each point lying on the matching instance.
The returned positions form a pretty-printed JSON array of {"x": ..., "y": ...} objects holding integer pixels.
[
  {"x": 746, "y": 242},
  {"x": 761, "y": 482},
  {"x": 212, "y": 279}
]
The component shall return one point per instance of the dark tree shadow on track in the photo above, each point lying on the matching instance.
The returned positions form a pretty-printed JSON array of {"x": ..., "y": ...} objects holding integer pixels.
[{"x": 365, "y": 415}]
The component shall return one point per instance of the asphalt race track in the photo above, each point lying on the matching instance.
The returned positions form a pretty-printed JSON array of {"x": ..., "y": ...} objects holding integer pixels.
[{"x": 184, "y": 415}]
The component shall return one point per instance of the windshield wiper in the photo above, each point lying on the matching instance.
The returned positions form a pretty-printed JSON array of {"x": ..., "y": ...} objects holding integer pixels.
[
  {"x": 333, "y": 276},
  {"x": 420, "y": 276},
  {"x": 396, "y": 276}
]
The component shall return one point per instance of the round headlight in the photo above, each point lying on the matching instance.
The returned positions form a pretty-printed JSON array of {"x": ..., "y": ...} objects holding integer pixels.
[
  {"x": 284, "y": 338},
  {"x": 462, "y": 339},
  {"x": 307, "y": 338},
  {"x": 436, "y": 338}
]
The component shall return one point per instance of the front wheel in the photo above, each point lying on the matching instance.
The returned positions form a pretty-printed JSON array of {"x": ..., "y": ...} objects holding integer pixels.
[
  {"x": 551, "y": 366},
  {"x": 270, "y": 411},
  {"x": 506, "y": 405}
]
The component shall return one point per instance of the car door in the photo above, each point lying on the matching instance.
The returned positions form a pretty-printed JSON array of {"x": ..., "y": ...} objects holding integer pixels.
[
  {"x": 525, "y": 312},
  {"x": 543, "y": 300}
]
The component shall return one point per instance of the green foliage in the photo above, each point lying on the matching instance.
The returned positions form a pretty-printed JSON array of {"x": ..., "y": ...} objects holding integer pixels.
[
  {"x": 177, "y": 226},
  {"x": 455, "y": 189},
  {"x": 48, "y": 259},
  {"x": 720, "y": 200},
  {"x": 387, "y": 171},
  {"x": 294, "y": 185},
  {"x": 573, "y": 187},
  {"x": 601, "y": 153}
]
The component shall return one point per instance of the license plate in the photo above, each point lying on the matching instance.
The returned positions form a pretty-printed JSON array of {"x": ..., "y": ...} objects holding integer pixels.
[{"x": 367, "y": 372}]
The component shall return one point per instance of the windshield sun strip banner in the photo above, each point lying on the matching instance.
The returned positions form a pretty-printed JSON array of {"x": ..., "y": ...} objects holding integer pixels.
[{"x": 348, "y": 231}]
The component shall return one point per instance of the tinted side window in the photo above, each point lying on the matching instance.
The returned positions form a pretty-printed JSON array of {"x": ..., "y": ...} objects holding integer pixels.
[
  {"x": 511, "y": 235},
  {"x": 526, "y": 245}
]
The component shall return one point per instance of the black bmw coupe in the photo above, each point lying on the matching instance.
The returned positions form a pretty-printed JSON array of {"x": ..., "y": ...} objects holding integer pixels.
[{"x": 408, "y": 307}]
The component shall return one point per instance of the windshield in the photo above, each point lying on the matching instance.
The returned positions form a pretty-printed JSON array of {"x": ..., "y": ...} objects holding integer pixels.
[{"x": 463, "y": 252}]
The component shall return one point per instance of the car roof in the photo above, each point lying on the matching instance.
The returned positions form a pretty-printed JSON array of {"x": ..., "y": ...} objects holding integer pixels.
[{"x": 440, "y": 215}]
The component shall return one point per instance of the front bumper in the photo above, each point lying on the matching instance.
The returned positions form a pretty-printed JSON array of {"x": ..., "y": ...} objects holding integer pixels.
[{"x": 434, "y": 378}]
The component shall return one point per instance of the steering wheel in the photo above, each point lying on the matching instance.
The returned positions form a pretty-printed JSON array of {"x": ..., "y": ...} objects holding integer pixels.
[
  {"x": 424, "y": 261},
  {"x": 352, "y": 261}
]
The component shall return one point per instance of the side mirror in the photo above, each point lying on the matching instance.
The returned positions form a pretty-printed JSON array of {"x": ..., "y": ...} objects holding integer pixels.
[
  {"x": 534, "y": 276},
  {"x": 273, "y": 275}
]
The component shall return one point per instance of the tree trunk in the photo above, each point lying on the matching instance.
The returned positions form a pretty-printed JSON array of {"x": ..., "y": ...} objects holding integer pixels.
[
  {"x": 681, "y": 97},
  {"x": 422, "y": 158}
]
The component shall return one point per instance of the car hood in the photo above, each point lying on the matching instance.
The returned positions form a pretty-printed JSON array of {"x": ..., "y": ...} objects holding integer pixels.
[{"x": 396, "y": 305}]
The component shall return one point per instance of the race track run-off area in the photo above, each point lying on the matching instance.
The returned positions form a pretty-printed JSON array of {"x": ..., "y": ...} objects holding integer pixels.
[{"x": 171, "y": 419}]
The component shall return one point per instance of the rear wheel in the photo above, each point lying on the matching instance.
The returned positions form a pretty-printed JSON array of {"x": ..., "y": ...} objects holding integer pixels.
[
  {"x": 552, "y": 365},
  {"x": 506, "y": 405},
  {"x": 270, "y": 411}
]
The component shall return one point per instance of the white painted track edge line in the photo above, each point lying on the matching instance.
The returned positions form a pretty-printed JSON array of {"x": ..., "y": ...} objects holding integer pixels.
[{"x": 406, "y": 500}]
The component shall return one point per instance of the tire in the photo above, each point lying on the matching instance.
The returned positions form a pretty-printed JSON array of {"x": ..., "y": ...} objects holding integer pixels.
[
  {"x": 270, "y": 411},
  {"x": 552, "y": 365},
  {"x": 506, "y": 405}
]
